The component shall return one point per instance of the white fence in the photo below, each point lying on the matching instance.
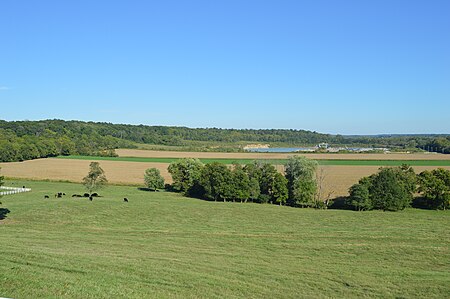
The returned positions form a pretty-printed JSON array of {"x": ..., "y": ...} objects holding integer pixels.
[{"x": 12, "y": 190}]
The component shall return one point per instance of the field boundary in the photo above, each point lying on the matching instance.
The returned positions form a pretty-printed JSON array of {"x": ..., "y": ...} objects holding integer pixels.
[
  {"x": 13, "y": 190},
  {"x": 337, "y": 162}
]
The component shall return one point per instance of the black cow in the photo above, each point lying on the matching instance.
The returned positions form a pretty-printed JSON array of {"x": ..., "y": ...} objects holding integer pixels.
[
  {"x": 46, "y": 196},
  {"x": 91, "y": 198},
  {"x": 86, "y": 195},
  {"x": 125, "y": 199}
]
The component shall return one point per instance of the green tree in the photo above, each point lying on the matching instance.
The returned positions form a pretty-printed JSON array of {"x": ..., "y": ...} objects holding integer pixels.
[
  {"x": 253, "y": 170},
  {"x": 185, "y": 174},
  {"x": 435, "y": 187},
  {"x": 302, "y": 185},
  {"x": 217, "y": 182},
  {"x": 388, "y": 192},
  {"x": 254, "y": 189},
  {"x": 407, "y": 178},
  {"x": 241, "y": 184},
  {"x": 280, "y": 189},
  {"x": 267, "y": 178},
  {"x": 95, "y": 179},
  {"x": 359, "y": 197},
  {"x": 153, "y": 179}
]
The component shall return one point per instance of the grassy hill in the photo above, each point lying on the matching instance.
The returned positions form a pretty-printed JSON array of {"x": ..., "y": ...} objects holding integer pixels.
[{"x": 165, "y": 245}]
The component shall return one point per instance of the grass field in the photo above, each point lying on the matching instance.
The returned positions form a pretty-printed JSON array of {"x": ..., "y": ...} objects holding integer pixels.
[
  {"x": 273, "y": 161},
  {"x": 163, "y": 245}
]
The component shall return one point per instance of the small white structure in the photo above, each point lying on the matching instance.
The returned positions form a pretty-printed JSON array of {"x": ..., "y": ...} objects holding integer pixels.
[{"x": 12, "y": 190}]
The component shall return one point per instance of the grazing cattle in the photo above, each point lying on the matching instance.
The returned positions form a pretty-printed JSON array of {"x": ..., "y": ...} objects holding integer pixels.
[
  {"x": 64, "y": 193},
  {"x": 91, "y": 198},
  {"x": 23, "y": 187},
  {"x": 46, "y": 196},
  {"x": 86, "y": 195},
  {"x": 76, "y": 195},
  {"x": 94, "y": 194},
  {"x": 125, "y": 199}
]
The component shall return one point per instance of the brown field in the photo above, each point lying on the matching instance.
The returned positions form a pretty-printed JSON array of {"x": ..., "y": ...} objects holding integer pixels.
[
  {"x": 337, "y": 178},
  {"x": 217, "y": 155}
]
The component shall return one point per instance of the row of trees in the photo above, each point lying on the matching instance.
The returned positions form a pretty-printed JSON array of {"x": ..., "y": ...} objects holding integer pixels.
[
  {"x": 91, "y": 138},
  {"x": 439, "y": 145},
  {"x": 50, "y": 144},
  {"x": 256, "y": 181},
  {"x": 393, "y": 189}
]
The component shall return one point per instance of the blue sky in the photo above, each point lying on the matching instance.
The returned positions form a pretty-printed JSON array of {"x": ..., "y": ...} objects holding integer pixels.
[{"x": 348, "y": 67}]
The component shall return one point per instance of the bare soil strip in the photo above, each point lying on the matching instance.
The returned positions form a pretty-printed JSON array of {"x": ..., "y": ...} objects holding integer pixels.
[{"x": 217, "y": 155}]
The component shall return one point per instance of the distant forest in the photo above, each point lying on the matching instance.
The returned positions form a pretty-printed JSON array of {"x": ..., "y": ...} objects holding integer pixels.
[{"x": 25, "y": 140}]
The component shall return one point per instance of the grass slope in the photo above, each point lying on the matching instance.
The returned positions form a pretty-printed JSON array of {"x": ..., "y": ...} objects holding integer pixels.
[
  {"x": 164, "y": 245},
  {"x": 273, "y": 161}
]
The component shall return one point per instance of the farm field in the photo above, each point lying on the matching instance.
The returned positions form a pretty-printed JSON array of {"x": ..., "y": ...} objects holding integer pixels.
[
  {"x": 163, "y": 245},
  {"x": 280, "y": 156},
  {"x": 273, "y": 161},
  {"x": 338, "y": 178}
]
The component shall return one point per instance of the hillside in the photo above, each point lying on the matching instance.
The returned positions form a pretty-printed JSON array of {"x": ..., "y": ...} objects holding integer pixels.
[
  {"x": 25, "y": 140},
  {"x": 163, "y": 245}
]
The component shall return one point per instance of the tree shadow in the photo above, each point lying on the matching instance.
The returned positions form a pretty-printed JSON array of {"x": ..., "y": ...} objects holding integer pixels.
[
  {"x": 423, "y": 203},
  {"x": 3, "y": 213},
  {"x": 340, "y": 203},
  {"x": 147, "y": 189}
]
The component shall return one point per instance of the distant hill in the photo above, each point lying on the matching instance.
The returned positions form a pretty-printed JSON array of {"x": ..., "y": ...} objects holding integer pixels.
[{"x": 23, "y": 140}]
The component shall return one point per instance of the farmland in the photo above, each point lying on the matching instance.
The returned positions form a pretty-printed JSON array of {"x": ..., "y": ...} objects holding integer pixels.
[
  {"x": 279, "y": 156},
  {"x": 165, "y": 245},
  {"x": 272, "y": 161},
  {"x": 341, "y": 170}
]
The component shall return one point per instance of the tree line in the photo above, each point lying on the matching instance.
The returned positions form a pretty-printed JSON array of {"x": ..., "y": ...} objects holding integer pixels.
[
  {"x": 45, "y": 143},
  {"x": 390, "y": 189},
  {"x": 24, "y": 140}
]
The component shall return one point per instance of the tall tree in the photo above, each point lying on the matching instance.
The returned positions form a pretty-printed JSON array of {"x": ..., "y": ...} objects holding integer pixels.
[
  {"x": 217, "y": 182},
  {"x": 279, "y": 189},
  {"x": 359, "y": 197},
  {"x": 153, "y": 179},
  {"x": 96, "y": 178},
  {"x": 435, "y": 187},
  {"x": 185, "y": 174},
  {"x": 302, "y": 185},
  {"x": 388, "y": 191},
  {"x": 241, "y": 184}
]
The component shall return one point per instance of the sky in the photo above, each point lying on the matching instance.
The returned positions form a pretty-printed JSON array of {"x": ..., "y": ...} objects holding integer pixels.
[{"x": 339, "y": 67}]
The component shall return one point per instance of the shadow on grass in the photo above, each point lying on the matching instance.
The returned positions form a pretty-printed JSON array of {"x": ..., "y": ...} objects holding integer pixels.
[
  {"x": 425, "y": 204},
  {"x": 3, "y": 213},
  {"x": 147, "y": 189},
  {"x": 340, "y": 203}
]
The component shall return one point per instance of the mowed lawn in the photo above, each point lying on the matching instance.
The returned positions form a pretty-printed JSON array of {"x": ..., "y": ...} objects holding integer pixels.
[{"x": 163, "y": 245}]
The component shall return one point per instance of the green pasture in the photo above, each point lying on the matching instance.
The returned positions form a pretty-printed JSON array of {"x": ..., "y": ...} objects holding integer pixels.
[
  {"x": 164, "y": 245},
  {"x": 274, "y": 161}
]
